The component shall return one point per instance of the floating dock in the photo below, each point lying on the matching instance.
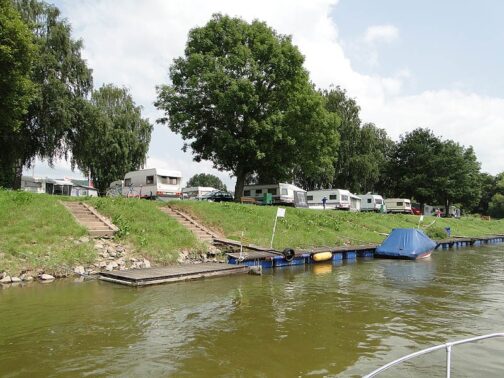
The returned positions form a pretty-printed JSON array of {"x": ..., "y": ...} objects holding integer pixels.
[
  {"x": 154, "y": 276},
  {"x": 349, "y": 253},
  {"x": 267, "y": 258}
]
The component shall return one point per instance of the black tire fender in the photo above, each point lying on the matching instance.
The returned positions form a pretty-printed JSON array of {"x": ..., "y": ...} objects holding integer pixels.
[{"x": 288, "y": 254}]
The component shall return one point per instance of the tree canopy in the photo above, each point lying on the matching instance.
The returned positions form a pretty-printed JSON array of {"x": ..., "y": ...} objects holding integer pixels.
[
  {"x": 206, "y": 179},
  {"x": 241, "y": 99},
  {"x": 431, "y": 170},
  {"x": 112, "y": 139},
  {"x": 61, "y": 80},
  {"x": 363, "y": 148},
  {"x": 16, "y": 88}
]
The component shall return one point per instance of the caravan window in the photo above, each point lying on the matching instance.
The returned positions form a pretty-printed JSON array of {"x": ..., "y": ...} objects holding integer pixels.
[
  {"x": 309, "y": 198},
  {"x": 333, "y": 196},
  {"x": 378, "y": 201},
  {"x": 369, "y": 200},
  {"x": 246, "y": 193},
  {"x": 399, "y": 204},
  {"x": 272, "y": 191},
  {"x": 258, "y": 191},
  {"x": 149, "y": 180},
  {"x": 168, "y": 180},
  {"x": 284, "y": 192},
  {"x": 127, "y": 182},
  {"x": 344, "y": 198}
]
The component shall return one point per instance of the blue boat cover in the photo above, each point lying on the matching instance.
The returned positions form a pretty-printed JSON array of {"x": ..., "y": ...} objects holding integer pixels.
[{"x": 406, "y": 243}]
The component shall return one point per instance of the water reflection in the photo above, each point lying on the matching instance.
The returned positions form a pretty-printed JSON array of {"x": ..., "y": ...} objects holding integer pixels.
[{"x": 324, "y": 319}]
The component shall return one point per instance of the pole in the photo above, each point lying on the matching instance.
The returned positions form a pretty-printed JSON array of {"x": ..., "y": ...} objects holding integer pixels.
[{"x": 273, "y": 236}]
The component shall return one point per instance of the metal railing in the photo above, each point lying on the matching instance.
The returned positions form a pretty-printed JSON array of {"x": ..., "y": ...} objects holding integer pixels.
[{"x": 447, "y": 346}]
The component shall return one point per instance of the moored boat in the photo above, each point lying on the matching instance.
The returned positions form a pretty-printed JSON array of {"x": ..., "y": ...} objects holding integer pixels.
[{"x": 406, "y": 243}]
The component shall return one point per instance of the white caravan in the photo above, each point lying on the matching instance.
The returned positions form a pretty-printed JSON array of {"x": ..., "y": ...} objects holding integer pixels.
[
  {"x": 196, "y": 192},
  {"x": 371, "y": 202},
  {"x": 282, "y": 193},
  {"x": 336, "y": 199},
  {"x": 398, "y": 205},
  {"x": 153, "y": 183}
]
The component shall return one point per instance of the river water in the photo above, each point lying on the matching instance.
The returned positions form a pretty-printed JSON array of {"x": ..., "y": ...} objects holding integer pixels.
[{"x": 316, "y": 320}]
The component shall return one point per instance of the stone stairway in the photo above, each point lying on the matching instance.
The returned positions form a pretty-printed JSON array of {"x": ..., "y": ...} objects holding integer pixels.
[
  {"x": 201, "y": 232},
  {"x": 96, "y": 224}
]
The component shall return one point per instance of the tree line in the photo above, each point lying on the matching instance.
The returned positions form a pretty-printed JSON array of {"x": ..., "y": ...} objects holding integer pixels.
[
  {"x": 239, "y": 97},
  {"x": 48, "y": 107}
]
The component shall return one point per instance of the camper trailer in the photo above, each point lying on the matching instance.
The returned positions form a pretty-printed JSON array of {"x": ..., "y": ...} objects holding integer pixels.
[
  {"x": 431, "y": 210},
  {"x": 197, "y": 192},
  {"x": 338, "y": 199},
  {"x": 65, "y": 187},
  {"x": 286, "y": 194},
  {"x": 153, "y": 184},
  {"x": 398, "y": 205},
  {"x": 371, "y": 202}
]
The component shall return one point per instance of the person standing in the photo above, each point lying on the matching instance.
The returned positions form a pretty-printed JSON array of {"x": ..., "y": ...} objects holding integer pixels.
[{"x": 324, "y": 201}]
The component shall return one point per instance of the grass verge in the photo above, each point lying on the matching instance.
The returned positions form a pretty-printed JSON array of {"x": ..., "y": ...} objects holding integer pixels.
[
  {"x": 307, "y": 228},
  {"x": 37, "y": 232}
]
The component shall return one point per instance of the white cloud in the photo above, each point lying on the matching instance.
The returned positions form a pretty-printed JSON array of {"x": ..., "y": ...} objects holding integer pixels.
[
  {"x": 381, "y": 33},
  {"x": 133, "y": 43}
]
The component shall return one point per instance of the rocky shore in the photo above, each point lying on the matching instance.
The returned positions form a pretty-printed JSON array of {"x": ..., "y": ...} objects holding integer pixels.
[{"x": 110, "y": 256}]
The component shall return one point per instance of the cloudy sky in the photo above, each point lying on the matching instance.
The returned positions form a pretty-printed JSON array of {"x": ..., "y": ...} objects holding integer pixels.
[{"x": 409, "y": 64}]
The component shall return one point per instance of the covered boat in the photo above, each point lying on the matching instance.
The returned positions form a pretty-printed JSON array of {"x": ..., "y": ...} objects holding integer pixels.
[{"x": 406, "y": 243}]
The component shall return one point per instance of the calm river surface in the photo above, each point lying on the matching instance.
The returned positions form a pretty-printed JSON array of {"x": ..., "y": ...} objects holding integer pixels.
[{"x": 318, "y": 320}]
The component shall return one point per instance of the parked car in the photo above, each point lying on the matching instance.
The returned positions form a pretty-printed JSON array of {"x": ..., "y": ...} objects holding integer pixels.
[
  {"x": 218, "y": 196},
  {"x": 416, "y": 211}
]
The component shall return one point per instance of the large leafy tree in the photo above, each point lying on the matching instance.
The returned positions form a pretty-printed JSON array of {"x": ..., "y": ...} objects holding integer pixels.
[
  {"x": 363, "y": 148},
  {"x": 206, "y": 179},
  {"x": 241, "y": 98},
  {"x": 112, "y": 139},
  {"x": 431, "y": 170},
  {"x": 61, "y": 78},
  {"x": 16, "y": 87},
  {"x": 414, "y": 168}
]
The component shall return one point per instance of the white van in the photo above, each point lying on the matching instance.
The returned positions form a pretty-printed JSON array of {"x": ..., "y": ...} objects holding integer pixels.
[
  {"x": 282, "y": 193},
  {"x": 153, "y": 183},
  {"x": 398, "y": 205},
  {"x": 336, "y": 199},
  {"x": 371, "y": 202}
]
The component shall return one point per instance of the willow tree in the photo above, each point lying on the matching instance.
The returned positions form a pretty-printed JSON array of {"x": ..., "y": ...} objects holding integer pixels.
[
  {"x": 61, "y": 80},
  {"x": 112, "y": 139},
  {"x": 16, "y": 87},
  {"x": 241, "y": 99}
]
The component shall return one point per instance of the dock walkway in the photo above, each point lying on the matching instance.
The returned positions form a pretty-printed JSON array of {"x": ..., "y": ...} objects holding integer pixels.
[{"x": 153, "y": 276}]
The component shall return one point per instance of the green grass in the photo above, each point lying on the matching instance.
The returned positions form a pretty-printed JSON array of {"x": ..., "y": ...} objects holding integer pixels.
[
  {"x": 36, "y": 232},
  {"x": 308, "y": 228},
  {"x": 153, "y": 234}
]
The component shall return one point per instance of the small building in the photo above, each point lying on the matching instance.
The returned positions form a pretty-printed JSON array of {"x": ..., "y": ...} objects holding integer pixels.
[
  {"x": 153, "y": 183},
  {"x": 371, "y": 202},
  {"x": 63, "y": 187},
  {"x": 82, "y": 189},
  {"x": 282, "y": 194},
  {"x": 355, "y": 202},
  {"x": 196, "y": 192},
  {"x": 398, "y": 205},
  {"x": 338, "y": 199}
]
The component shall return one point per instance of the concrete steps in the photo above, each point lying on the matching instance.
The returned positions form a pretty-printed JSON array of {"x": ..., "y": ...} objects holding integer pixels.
[
  {"x": 97, "y": 225},
  {"x": 200, "y": 231}
]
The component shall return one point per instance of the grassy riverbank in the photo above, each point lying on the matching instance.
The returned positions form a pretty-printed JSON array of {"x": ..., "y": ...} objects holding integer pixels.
[
  {"x": 38, "y": 233},
  {"x": 306, "y": 228}
]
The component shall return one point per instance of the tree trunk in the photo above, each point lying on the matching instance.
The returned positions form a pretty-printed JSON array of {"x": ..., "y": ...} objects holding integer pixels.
[
  {"x": 18, "y": 173},
  {"x": 240, "y": 183}
]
